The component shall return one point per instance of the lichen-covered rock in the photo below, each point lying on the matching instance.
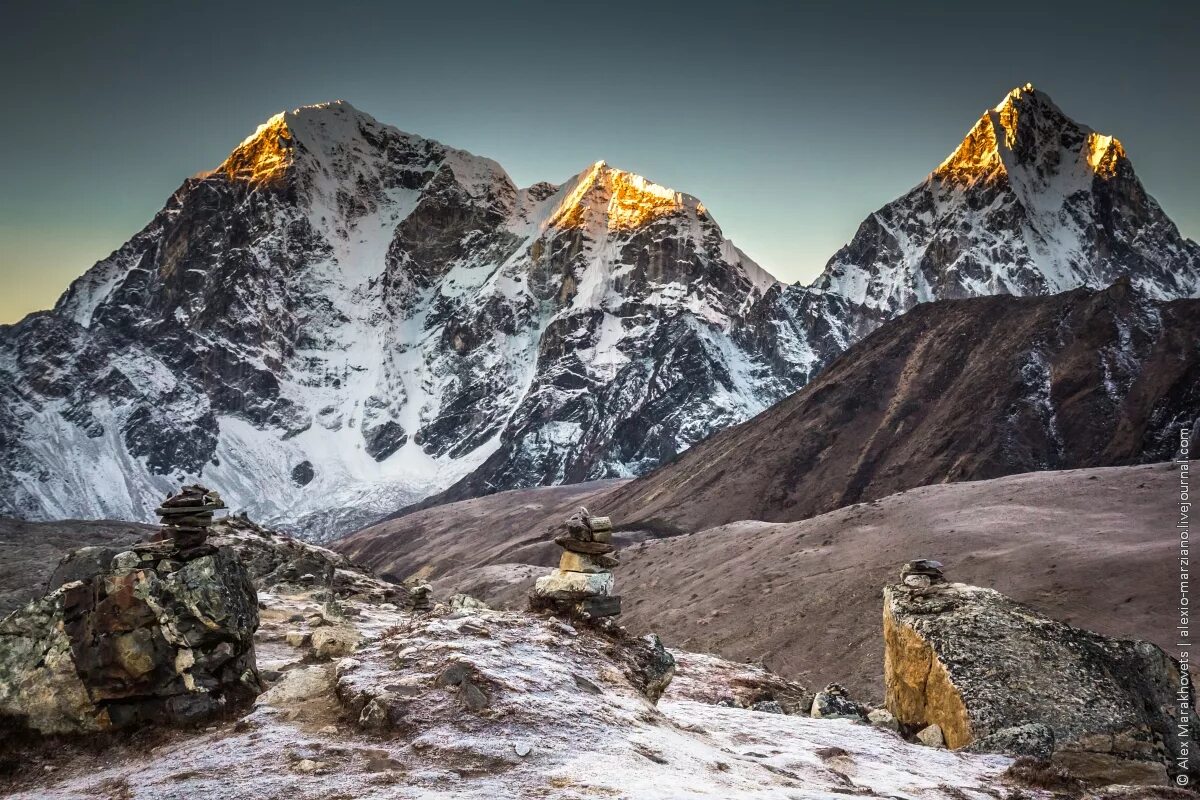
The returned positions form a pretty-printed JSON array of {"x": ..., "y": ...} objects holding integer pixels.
[
  {"x": 976, "y": 663},
  {"x": 833, "y": 702},
  {"x": 1034, "y": 740},
  {"x": 157, "y": 637}
]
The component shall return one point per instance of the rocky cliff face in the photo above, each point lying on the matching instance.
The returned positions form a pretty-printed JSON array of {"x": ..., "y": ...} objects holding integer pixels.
[
  {"x": 979, "y": 665},
  {"x": 343, "y": 318}
]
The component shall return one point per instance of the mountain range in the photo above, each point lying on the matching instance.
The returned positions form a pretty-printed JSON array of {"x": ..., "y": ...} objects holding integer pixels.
[{"x": 343, "y": 319}]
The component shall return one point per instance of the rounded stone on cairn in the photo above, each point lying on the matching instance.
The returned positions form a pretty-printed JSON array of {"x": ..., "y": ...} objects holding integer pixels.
[{"x": 921, "y": 573}]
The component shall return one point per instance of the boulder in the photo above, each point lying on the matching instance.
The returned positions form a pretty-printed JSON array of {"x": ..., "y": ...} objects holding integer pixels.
[
  {"x": 334, "y": 642},
  {"x": 932, "y": 736},
  {"x": 883, "y": 718},
  {"x": 646, "y": 663},
  {"x": 983, "y": 667},
  {"x": 767, "y": 707},
  {"x": 706, "y": 678},
  {"x": 461, "y": 602},
  {"x": 296, "y": 685},
  {"x": 155, "y": 638},
  {"x": 832, "y": 702},
  {"x": 81, "y": 565}
]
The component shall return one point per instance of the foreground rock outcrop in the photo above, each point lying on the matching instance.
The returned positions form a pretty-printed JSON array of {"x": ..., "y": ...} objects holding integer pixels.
[
  {"x": 461, "y": 701},
  {"x": 153, "y": 635},
  {"x": 993, "y": 674}
]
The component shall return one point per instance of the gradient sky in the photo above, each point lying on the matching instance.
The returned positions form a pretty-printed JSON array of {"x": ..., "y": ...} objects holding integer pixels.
[{"x": 791, "y": 121}]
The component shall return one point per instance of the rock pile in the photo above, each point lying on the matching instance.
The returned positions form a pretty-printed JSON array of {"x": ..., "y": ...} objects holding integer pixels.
[
  {"x": 582, "y": 586},
  {"x": 186, "y": 516},
  {"x": 922, "y": 573},
  {"x": 155, "y": 635},
  {"x": 994, "y": 675},
  {"x": 418, "y": 598}
]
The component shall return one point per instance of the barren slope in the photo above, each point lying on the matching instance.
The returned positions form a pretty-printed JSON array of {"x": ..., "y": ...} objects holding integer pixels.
[
  {"x": 1091, "y": 547},
  {"x": 952, "y": 391},
  {"x": 509, "y": 527}
]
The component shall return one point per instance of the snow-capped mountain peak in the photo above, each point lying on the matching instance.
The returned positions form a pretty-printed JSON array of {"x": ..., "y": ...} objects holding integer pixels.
[
  {"x": 1030, "y": 202},
  {"x": 1027, "y": 138},
  {"x": 356, "y": 317}
]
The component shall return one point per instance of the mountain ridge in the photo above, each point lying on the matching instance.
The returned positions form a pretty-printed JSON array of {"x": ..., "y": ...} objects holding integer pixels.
[
  {"x": 359, "y": 318},
  {"x": 340, "y": 295}
]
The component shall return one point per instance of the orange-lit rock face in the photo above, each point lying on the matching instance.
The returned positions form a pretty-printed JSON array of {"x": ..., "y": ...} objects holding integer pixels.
[
  {"x": 977, "y": 156},
  {"x": 617, "y": 200},
  {"x": 264, "y": 158},
  {"x": 1003, "y": 129},
  {"x": 1103, "y": 154},
  {"x": 918, "y": 689}
]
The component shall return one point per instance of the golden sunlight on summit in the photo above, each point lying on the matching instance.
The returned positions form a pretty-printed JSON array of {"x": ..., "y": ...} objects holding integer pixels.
[
  {"x": 1103, "y": 154},
  {"x": 263, "y": 157},
  {"x": 627, "y": 201}
]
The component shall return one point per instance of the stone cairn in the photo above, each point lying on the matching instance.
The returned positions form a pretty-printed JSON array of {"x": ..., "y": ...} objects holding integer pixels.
[
  {"x": 582, "y": 586},
  {"x": 418, "y": 597},
  {"x": 922, "y": 573},
  {"x": 185, "y": 516}
]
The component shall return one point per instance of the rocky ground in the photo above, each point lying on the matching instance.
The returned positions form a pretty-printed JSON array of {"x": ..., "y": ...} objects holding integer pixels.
[
  {"x": 1090, "y": 547},
  {"x": 368, "y": 700}
]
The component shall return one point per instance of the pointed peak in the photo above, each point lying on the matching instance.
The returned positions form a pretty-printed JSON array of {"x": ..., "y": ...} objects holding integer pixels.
[
  {"x": 265, "y": 156},
  {"x": 1021, "y": 95},
  {"x": 1027, "y": 130},
  {"x": 617, "y": 199}
]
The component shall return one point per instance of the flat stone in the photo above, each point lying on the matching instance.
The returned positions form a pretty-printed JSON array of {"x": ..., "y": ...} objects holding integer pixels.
[
  {"x": 575, "y": 583},
  {"x": 608, "y": 606},
  {"x": 473, "y": 697},
  {"x": 581, "y": 562},
  {"x": 577, "y": 546}
]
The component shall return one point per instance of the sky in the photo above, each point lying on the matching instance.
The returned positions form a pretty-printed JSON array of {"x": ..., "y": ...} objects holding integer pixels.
[{"x": 790, "y": 121}]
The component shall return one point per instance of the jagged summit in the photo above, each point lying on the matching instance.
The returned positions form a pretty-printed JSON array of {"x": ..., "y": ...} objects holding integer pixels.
[{"x": 1027, "y": 131}]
